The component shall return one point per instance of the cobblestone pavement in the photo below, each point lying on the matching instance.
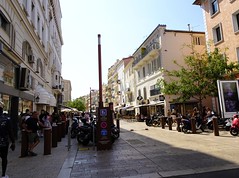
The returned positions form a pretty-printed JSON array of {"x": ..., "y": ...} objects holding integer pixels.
[
  {"x": 144, "y": 151},
  {"x": 141, "y": 151}
]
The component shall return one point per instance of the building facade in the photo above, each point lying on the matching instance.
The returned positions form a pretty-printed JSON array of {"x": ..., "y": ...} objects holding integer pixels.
[
  {"x": 221, "y": 19},
  {"x": 67, "y": 91},
  {"x": 30, "y": 55}
]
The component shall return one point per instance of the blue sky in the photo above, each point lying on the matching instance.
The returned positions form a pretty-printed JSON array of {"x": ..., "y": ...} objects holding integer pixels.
[{"x": 123, "y": 25}]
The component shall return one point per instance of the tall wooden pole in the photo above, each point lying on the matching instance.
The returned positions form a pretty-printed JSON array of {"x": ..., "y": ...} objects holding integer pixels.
[{"x": 100, "y": 73}]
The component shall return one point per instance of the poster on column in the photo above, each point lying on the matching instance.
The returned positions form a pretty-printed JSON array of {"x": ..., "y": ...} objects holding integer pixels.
[{"x": 228, "y": 91}]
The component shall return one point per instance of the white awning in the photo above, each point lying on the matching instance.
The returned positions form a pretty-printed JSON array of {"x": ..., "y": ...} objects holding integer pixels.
[
  {"x": 44, "y": 96},
  {"x": 52, "y": 100}
]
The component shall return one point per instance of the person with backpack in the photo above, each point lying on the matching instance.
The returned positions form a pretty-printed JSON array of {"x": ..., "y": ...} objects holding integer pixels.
[{"x": 6, "y": 132}]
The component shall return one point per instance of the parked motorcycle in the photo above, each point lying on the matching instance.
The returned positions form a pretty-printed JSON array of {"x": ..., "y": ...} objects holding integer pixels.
[
  {"x": 87, "y": 133},
  {"x": 115, "y": 132},
  {"x": 228, "y": 124},
  {"x": 187, "y": 126},
  {"x": 153, "y": 121},
  {"x": 234, "y": 130},
  {"x": 76, "y": 122}
]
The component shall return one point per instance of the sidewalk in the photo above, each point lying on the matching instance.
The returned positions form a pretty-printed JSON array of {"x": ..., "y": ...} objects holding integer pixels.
[
  {"x": 41, "y": 166},
  {"x": 140, "y": 151}
]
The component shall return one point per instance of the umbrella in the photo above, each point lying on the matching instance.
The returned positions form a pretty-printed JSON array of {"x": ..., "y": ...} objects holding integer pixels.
[{"x": 66, "y": 110}]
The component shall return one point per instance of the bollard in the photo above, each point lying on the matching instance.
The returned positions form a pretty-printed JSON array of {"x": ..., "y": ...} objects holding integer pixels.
[
  {"x": 215, "y": 126},
  {"x": 63, "y": 127},
  {"x": 162, "y": 120},
  {"x": 59, "y": 125},
  {"x": 69, "y": 138},
  {"x": 47, "y": 141},
  {"x": 170, "y": 121},
  {"x": 54, "y": 135},
  {"x": 24, "y": 144},
  {"x": 118, "y": 124},
  {"x": 193, "y": 125},
  {"x": 178, "y": 119}
]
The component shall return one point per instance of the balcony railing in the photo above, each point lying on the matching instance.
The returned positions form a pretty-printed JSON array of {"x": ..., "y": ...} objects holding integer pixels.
[{"x": 145, "y": 51}]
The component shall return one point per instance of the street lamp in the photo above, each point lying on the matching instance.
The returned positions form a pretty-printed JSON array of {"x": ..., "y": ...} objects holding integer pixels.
[{"x": 36, "y": 97}]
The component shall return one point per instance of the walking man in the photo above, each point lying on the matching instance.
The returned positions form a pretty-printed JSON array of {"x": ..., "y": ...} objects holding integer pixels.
[{"x": 5, "y": 132}]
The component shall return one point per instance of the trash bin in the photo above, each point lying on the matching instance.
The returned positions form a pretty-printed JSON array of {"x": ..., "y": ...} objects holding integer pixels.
[
  {"x": 54, "y": 135},
  {"x": 24, "y": 144},
  {"x": 47, "y": 141},
  {"x": 59, "y": 131}
]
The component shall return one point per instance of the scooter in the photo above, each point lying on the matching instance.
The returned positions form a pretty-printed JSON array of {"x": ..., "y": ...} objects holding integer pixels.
[
  {"x": 75, "y": 126},
  {"x": 115, "y": 133},
  {"x": 234, "y": 130},
  {"x": 153, "y": 121},
  {"x": 186, "y": 125}
]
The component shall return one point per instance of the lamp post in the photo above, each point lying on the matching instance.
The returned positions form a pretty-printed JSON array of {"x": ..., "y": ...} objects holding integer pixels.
[{"x": 36, "y": 97}]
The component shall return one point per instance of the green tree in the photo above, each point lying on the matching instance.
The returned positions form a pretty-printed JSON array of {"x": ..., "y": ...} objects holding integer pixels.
[
  {"x": 198, "y": 77},
  {"x": 78, "y": 103}
]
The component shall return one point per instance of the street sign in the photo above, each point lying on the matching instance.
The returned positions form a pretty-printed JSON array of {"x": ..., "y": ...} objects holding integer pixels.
[{"x": 104, "y": 128}]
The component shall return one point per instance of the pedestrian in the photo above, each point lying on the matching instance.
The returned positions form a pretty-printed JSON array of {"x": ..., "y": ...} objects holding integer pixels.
[
  {"x": 6, "y": 132},
  {"x": 31, "y": 126},
  {"x": 55, "y": 116},
  {"x": 41, "y": 119}
]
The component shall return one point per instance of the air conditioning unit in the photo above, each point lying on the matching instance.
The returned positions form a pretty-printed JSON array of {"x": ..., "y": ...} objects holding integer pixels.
[
  {"x": 31, "y": 59},
  {"x": 24, "y": 83}
]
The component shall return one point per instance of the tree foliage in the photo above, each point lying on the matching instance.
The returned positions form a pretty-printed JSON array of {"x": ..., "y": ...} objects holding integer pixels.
[
  {"x": 78, "y": 103},
  {"x": 198, "y": 77}
]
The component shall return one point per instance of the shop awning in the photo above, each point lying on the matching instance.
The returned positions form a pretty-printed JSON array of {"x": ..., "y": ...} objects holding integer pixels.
[
  {"x": 127, "y": 107},
  {"x": 44, "y": 96},
  {"x": 52, "y": 100}
]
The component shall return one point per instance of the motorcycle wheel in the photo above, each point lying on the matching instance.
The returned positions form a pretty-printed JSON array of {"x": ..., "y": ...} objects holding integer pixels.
[
  {"x": 227, "y": 128},
  {"x": 234, "y": 131},
  {"x": 184, "y": 129},
  {"x": 155, "y": 123},
  {"x": 85, "y": 142},
  {"x": 73, "y": 133},
  {"x": 115, "y": 135},
  {"x": 210, "y": 126}
]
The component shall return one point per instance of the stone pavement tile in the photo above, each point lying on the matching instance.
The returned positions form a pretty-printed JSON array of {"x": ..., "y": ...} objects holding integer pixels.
[{"x": 40, "y": 166}]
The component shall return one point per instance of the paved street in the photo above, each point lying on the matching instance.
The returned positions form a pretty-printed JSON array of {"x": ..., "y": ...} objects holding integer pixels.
[
  {"x": 145, "y": 151},
  {"x": 140, "y": 151}
]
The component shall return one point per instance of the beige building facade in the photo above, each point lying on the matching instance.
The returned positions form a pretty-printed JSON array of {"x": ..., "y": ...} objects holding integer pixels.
[
  {"x": 30, "y": 55},
  {"x": 158, "y": 52},
  {"x": 221, "y": 19}
]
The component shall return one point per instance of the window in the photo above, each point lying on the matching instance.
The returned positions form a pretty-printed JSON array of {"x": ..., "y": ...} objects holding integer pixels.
[
  {"x": 154, "y": 65},
  {"x": 158, "y": 62},
  {"x": 33, "y": 14},
  {"x": 149, "y": 69},
  {"x": 198, "y": 40},
  {"x": 145, "y": 93},
  {"x": 154, "y": 90},
  {"x": 235, "y": 19},
  {"x": 4, "y": 24},
  {"x": 144, "y": 72},
  {"x": 138, "y": 75},
  {"x": 214, "y": 7},
  {"x": 217, "y": 34}
]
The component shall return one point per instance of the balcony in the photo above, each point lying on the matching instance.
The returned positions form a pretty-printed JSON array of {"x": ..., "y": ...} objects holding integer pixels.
[{"x": 146, "y": 55}]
